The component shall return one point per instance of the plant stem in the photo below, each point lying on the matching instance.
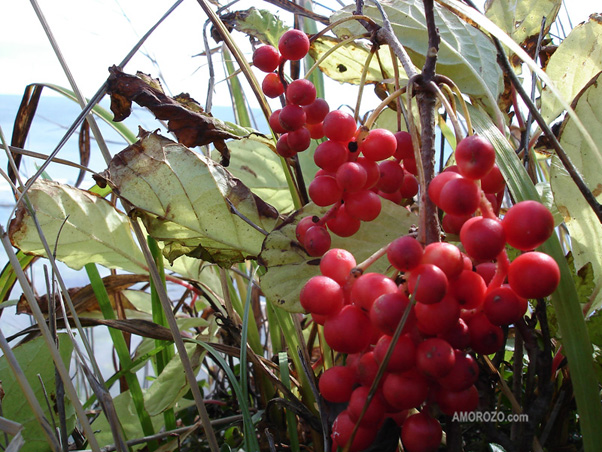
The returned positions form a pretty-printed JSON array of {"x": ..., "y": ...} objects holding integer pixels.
[{"x": 564, "y": 158}]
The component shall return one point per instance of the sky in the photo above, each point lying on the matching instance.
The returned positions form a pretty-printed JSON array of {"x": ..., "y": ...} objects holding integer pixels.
[{"x": 95, "y": 34}]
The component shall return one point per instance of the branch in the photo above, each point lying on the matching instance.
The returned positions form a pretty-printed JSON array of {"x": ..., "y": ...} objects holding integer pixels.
[{"x": 564, "y": 158}]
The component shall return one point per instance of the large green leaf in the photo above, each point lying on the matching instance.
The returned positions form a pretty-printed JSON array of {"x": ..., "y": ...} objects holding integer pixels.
[
  {"x": 36, "y": 363},
  {"x": 259, "y": 23},
  {"x": 83, "y": 226},
  {"x": 289, "y": 267},
  {"x": 258, "y": 167},
  {"x": 583, "y": 225},
  {"x": 521, "y": 19},
  {"x": 466, "y": 55},
  {"x": 577, "y": 59},
  {"x": 187, "y": 201}
]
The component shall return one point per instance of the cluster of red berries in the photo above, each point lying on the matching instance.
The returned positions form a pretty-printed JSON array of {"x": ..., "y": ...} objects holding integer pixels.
[
  {"x": 462, "y": 298},
  {"x": 301, "y": 118},
  {"x": 357, "y": 167}
]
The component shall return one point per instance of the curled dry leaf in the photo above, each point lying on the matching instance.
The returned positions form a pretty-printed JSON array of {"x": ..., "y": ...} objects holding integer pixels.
[
  {"x": 185, "y": 117},
  {"x": 189, "y": 202}
]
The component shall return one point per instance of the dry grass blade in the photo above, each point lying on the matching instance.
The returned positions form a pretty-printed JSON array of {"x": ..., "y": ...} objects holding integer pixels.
[{"x": 84, "y": 149}]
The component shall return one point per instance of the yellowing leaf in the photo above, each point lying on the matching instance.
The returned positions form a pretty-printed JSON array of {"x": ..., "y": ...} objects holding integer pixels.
[
  {"x": 582, "y": 223},
  {"x": 259, "y": 168},
  {"x": 521, "y": 19},
  {"x": 289, "y": 266},
  {"x": 84, "y": 227},
  {"x": 466, "y": 55},
  {"x": 347, "y": 62},
  {"x": 577, "y": 59},
  {"x": 189, "y": 202}
]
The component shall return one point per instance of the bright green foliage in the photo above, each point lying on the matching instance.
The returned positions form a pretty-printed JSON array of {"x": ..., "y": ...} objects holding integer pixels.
[
  {"x": 259, "y": 23},
  {"x": 34, "y": 360},
  {"x": 70, "y": 217}
]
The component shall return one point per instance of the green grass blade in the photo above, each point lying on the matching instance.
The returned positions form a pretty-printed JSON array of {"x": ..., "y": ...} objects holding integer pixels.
[
  {"x": 8, "y": 276},
  {"x": 159, "y": 318},
  {"x": 244, "y": 404},
  {"x": 291, "y": 421},
  {"x": 123, "y": 353},
  {"x": 241, "y": 112},
  {"x": 575, "y": 340}
]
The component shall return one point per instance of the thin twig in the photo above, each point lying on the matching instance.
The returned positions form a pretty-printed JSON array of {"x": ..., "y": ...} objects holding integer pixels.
[{"x": 562, "y": 155}]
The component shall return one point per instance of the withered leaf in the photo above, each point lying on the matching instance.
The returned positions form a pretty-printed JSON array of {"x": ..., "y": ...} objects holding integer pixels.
[
  {"x": 83, "y": 298},
  {"x": 185, "y": 117}
]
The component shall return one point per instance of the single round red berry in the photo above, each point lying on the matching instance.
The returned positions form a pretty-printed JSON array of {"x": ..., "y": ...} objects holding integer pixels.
[
  {"x": 534, "y": 275},
  {"x": 293, "y": 45},
  {"x": 527, "y": 225},
  {"x": 475, "y": 157},
  {"x": 266, "y": 58}
]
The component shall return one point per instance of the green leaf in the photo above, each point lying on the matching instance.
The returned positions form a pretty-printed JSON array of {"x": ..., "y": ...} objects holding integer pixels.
[
  {"x": 594, "y": 328},
  {"x": 346, "y": 63},
  {"x": 289, "y": 266},
  {"x": 258, "y": 23},
  {"x": 85, "y": 228},
  {"x": 259, "y": 168},
  {"x": 34, "y": 359},
  {"x": 571, "y": 67},
  {"x": 185, "y": 201},
  {"x": 466, "y": 55},
  {"x": 581, "y": 222},
  {"x": 171, "y": 385},
  {"x": 521, "y": 19}
]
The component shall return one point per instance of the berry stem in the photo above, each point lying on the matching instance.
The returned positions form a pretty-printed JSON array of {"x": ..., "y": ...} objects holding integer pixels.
[
  {"x": 362, "y": 266},
  {"x": 501, "y": 270}
]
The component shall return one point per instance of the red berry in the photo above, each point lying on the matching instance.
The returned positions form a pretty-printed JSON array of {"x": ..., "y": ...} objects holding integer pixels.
[
  {"x": 317, "y": 241},
  {"x": 464, "y": 373},
  {"x": 405, "y": 148},
  {"x": 387, "y": 311},
  {"x": 475, "y": 157},
  {"x": 379, "y": 144},
  {"x": 468, "y": 289},
  {"x": 302, "y": 227},
  {"x": 483, "y": 238},
  {"x": 459, "y": 196},
  {"x": 369, "y": 287},
  {"x": 493, "y": 181},
  {"x": 485, "y": 338},
  {"x": 282, "y": 147},
  {"x": 438, "y": 182},
  {"x": 503, "y": 306},
  {"x": 321, "y": 295},
  {"x": 330, "y": 154},
  {"x": 341, "y": 330},
  {"x": 275, "y": 122},
  {"x": 299, "y": 140},
  {"x": 315, "y": 130},
  {"x": 293, "y": 45},
  {"x": 343, "y": 224},
  {"x": 266, "y": 58},
  {"x": 372, "y": 171},
  {"x": 324, "y": 191},
  {"x": 534, "y": 275},
  {"x": 446, "y": 256},
  {"x": 316, "y": 111},
  {"x": 339, "y": 126},
  {"x": 337, "y": 264},
  {"x": 342, "y": 429},
  {"x": 405, "y": 253},
  {"x": 364, "y": 205},
  {"x": 301, "y": 92},
  {"x": 405, "y": 390},
  {"x": 435, "y": 358},
  {"x": 421, "y": 433},
  {"x": 336, "y": 384},
  {"x": 427, "y": 283},
  {"x": 272, "y": 85},
  {"x": 403, "y": 356},
  {"x": 351, "y": 177},
  {"x": 391, "y": 176},
  {"x": 409, "y": 187},
  {"x": 292, "y": 117},
  {"x": 438, "y": 317},
  {"x": 451, "y": 402},
  {"x": 528, "y": 224}
]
